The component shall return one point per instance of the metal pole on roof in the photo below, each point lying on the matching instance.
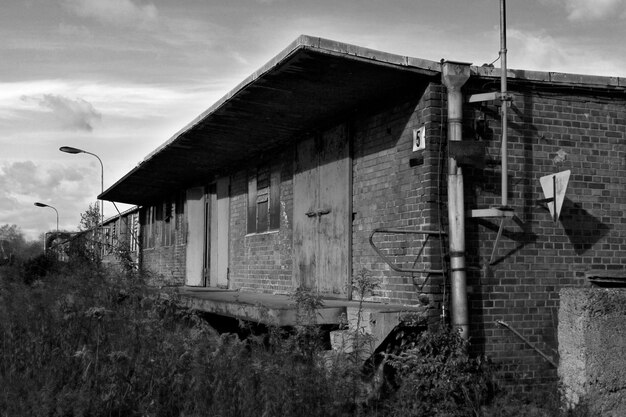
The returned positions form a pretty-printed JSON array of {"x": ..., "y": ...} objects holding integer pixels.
[{"x": 504, "y": 104}]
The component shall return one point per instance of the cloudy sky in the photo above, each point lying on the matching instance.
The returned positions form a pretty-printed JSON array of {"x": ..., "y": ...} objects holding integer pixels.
[{"x": 120, "y": 77}]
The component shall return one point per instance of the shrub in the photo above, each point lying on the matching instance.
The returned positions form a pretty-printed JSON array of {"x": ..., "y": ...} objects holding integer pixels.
[
  {"x": 89, "y": 342},
  {"x": 92, "y": 342},
  {"x": 437, "y": 377},
  {"x": 38, "y": 267}
]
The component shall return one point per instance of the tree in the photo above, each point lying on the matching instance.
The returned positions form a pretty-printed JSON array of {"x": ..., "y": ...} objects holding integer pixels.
[
  {"x": 90, "y": 219},
  {"x": 13, "y": 244},
  {"x": 87, "y": 245}
]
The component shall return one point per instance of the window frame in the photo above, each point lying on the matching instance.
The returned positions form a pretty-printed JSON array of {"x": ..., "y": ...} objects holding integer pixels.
[{"x": 263, "y": 205}]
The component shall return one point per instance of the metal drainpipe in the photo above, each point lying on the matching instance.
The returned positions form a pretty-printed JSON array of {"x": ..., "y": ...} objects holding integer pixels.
[
  {"x": 454, "y": 75},
  {"x": 503, "y": 97}
]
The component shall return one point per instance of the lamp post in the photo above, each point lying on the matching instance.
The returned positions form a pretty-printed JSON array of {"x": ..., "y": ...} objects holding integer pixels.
[
  {"x": 57, "y": 212},
  {"x": 69, "y": 149}
]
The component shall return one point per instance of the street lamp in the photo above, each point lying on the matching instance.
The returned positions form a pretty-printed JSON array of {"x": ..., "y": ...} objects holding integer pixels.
[
  {"x": 57, "y": 212},
  {"x": 69, "y": 149}
]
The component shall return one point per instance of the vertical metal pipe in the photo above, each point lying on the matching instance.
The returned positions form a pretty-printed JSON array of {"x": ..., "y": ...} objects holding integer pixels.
[
  {"x": 504, "y": 104},
  {"x": 454, "y": 76}
]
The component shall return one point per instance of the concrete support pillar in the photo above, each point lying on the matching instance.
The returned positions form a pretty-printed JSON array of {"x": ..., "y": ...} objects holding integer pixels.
[{"x": 592, "y": 340}]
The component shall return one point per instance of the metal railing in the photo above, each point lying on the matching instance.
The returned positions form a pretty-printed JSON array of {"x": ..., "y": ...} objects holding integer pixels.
[{"x": 398, "y": 268}]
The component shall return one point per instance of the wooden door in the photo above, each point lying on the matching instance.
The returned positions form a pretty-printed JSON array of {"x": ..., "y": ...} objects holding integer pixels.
[
  {"x": 219, "y": 218},
  {"x": 322, "y": 213},
  {"x": 194, "y": 251},
  {"x": 305, "y": 192}
]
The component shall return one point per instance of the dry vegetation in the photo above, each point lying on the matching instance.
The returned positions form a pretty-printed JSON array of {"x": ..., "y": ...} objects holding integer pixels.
[{"x": 79, "y": 340}]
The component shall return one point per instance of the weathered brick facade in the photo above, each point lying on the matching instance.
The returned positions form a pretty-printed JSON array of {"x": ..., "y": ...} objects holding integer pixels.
[
  {"x": 556, "y": 123},
  {"x": 262, "y": 261},
  {"x": 163, "y": 242},
  {"x": 395, "y": 187},
  {"x": 551, "y": 129}
]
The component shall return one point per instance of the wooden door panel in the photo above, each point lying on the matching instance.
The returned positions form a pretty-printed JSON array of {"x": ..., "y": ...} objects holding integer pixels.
[
  {"x": 304, "y": 227},
  {"x": 333, "y": 228},
  {"x": 194, "y": 260},
  {"x": 223, "y": 227},
  {"x": 322, "y": 201},
  {"x": 218, "y": 233}
]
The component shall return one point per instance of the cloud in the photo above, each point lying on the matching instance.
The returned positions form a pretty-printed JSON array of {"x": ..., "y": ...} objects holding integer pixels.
[
  {"x": 24, "y": 178},
  {"x": 542, "y": 52},
  {"x": 240, "y": 59},
  {"x": 586, "y": 10},
  {"x": 74, "y": 31},
  {"x": 67, "y": 188},
  {"x": 118, "y": 12},
  {"x": 74, "y": 114},
  {"x": 537, "y": 51}
]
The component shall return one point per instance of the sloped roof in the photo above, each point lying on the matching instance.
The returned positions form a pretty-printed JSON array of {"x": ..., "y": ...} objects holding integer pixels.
[{"x": 305, "y": 87}]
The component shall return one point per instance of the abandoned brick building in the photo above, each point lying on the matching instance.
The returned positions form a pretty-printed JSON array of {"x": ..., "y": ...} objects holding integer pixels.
[{"x": 283, "y": 181}]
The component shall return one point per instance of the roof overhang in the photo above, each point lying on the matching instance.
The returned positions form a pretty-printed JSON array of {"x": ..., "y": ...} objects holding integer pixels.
[{"x": 310, "y": 84}]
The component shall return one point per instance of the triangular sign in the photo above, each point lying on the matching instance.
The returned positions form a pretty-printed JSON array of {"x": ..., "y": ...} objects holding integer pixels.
[{"x": 554, "y": 186}]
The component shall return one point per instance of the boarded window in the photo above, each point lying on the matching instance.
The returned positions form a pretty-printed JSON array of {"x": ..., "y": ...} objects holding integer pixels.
[{"x": 264, "y": 199}]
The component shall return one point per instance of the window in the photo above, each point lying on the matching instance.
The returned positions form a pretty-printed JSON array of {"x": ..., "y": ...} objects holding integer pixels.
[
  {"x": 148, "y": 226},
  {"x": 160, "y": 225},
  {"x": 169, "y": 222},
  {"x": 112, "y": 240},
  {"x": 108, "y": 238},
  {"x": 179, "y": 217},
  {"x": 134, "y": 231},
  {"x": 264, "y": 199}
]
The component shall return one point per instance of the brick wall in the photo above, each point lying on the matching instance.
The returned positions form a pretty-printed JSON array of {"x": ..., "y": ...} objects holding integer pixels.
[
  {"x": 395, "y": 187},
  {"x": 549, "y": 131},
  {"x": 262, "y": 261},
  {"x": 164, "y": 259}
]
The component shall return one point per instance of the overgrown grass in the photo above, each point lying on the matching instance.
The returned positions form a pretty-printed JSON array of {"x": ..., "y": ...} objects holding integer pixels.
[
  {"x": 92, "y": 343},
  {"x": 87, "y": 341}
]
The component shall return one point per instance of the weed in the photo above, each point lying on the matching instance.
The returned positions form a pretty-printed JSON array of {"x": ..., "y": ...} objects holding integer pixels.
[
  {"x": 87, "y": 341},
  {"x": 436, "y": 377}
]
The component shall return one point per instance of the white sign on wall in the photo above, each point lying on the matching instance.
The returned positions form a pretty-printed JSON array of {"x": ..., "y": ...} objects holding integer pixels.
[
  {"x": 419, "y": 139},
  {"x": 554, "y": 186}
]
